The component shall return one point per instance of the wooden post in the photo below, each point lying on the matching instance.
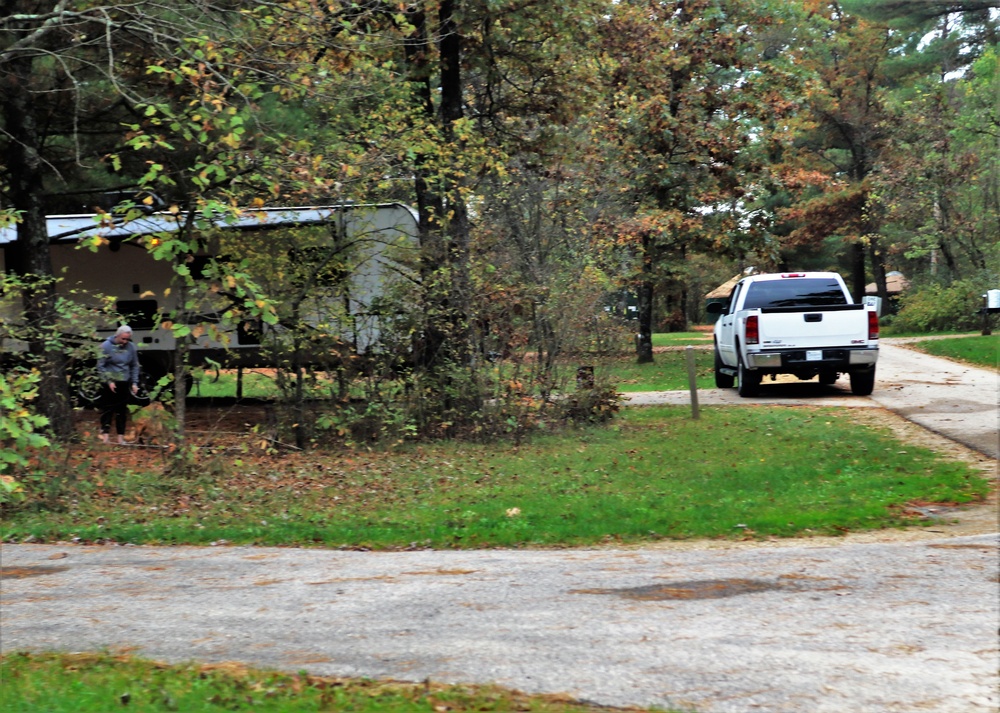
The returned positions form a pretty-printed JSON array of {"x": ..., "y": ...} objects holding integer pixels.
[
  {"x": 692, "y": 382},
  {"x": 239, "y": 383}
]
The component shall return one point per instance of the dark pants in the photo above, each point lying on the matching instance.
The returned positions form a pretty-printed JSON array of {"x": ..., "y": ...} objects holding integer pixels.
[{"x": 114, "y": 404}]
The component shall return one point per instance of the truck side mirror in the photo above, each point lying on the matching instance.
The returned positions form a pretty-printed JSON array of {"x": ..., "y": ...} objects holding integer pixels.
[{"x": 716, "y": 307}]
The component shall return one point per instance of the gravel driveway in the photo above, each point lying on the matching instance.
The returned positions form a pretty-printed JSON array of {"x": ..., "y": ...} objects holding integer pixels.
[
  {"x": 875, "y": 623},
  {"x": 818, "y": 627}
]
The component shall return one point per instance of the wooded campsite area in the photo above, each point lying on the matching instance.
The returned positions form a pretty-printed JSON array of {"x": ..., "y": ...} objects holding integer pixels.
[{"x": 561, "y": 159}]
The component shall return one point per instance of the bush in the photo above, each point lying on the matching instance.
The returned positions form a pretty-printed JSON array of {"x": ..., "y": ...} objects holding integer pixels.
[
  {"x": 935, "y": 307},
  {"x": 20, "y": 437}
]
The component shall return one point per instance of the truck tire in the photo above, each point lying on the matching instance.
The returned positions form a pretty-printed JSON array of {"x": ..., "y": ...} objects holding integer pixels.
[
  {"x": 722, "y": 380},
  {"x": 828, "y": 377},
  {"x": 748, "y": 382},
  {"x": 863, "y": 382}
]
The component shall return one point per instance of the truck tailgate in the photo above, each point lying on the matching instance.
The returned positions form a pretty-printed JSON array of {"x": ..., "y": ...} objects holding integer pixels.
[{"x": 813, "y": 329}]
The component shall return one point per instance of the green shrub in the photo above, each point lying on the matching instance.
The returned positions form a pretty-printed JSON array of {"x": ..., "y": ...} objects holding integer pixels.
[
  {"x": 934, "y": 308},
  {"x": 20, "y": 437}
]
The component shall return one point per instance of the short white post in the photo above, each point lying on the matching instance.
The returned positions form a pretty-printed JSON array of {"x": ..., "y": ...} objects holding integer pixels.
[{"x": 692, "y": 382}]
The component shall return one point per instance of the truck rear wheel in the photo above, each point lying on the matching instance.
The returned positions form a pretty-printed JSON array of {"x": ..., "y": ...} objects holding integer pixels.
[
  {"x": 748, "y": 381},
  {"x": 863, "y": 382},
  {"x": 722, "y": 379}
]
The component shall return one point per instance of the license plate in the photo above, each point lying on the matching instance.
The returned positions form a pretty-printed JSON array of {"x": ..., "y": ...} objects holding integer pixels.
[{"x": 814, "y": 355}]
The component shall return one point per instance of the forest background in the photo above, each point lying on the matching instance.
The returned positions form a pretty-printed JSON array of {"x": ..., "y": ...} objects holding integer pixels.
[{"x": 564, "y": 161}]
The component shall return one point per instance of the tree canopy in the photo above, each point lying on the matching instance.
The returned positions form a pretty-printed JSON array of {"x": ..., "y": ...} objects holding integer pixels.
[{"x": 592, "y": 148}]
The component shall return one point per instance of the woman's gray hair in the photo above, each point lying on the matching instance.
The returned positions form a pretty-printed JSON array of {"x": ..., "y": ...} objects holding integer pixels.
[{"x": 124, "y": 329}]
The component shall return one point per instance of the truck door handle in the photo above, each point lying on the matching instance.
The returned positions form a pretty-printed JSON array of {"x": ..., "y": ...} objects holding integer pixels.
[{"x": 814, "y": 317}]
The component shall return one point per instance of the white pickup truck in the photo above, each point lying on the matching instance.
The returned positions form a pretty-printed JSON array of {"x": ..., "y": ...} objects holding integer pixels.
[{"x": 801, "y": 323}]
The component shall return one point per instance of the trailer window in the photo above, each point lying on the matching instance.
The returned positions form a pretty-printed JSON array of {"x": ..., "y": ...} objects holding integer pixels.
[
  {"x": 199, "y": 264},
  {"x": 138, "y": 314},
  {"x": 797, "y": 292}
]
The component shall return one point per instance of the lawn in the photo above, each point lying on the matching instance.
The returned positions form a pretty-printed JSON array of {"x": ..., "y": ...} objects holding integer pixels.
[
  {"x": 97, "y": 683},
  {"x": 979, "y": 350},
  {"x": 667, "y": 372},
  {"x": 653, "y": 474},
  {"x": 682, "y": 339}
]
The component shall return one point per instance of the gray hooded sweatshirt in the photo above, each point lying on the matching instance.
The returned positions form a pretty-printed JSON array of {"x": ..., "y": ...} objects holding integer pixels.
[{"x": 119, "y": 362}]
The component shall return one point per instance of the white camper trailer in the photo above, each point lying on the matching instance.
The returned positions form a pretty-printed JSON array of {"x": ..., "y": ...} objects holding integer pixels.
[{"x": 380, "y": 238}]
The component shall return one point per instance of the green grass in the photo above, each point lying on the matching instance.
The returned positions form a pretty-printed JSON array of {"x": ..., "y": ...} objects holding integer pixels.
[
  {"x": 98, "y": 683},
  {"x": 887, "y": 330},
  {"x": 256, "y": 385},
  {"x": 654, "y": 474},
  {"x": 978, "y": 350},
  {"x": 682, "y": 339},
  {"x": 668, "y": 372}
]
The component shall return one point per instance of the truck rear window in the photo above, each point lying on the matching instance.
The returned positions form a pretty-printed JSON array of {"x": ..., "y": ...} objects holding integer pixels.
[{"x": 795, "y": 292}]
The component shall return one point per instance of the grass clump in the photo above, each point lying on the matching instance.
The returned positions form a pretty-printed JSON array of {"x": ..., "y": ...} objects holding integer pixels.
[
  {"x": 97, "y": 683},
  {"x": 653, "y": 474}
]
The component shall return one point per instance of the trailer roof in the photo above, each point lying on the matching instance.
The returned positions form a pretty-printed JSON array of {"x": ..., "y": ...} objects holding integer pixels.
[{"x": 73, "y": 228}]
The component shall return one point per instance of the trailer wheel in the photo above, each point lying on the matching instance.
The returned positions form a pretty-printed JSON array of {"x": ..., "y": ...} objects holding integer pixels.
[
  {"x": 863, "y": 382},
  {"x": 154, "y": 369},
  {"x": 748, "y": 382},
  {"x": 85, "y": 385},
  {"x": 722, "y": 379}
]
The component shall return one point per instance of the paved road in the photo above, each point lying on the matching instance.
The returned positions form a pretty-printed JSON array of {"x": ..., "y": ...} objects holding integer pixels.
[
  {"x": 824, "y": 628},
  {"x": 876, "y": 625}
]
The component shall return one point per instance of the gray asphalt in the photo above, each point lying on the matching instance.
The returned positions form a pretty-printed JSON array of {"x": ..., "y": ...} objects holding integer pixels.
[{"x": 881, "y": 625}]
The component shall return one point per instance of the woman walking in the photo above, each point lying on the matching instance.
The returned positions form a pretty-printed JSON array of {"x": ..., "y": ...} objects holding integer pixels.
[{"x": 118, "y": 368}]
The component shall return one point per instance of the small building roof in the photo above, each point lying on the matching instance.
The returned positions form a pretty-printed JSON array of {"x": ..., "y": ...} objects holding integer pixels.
[
  {"x": 72, "y": 228},
  {"x": 895, "y": 283},
  {"x": 724, "y": 290}
]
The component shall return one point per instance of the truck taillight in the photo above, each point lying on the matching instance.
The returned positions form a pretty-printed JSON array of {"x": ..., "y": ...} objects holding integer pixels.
[
  {"x": 752, "y": 331},
  {"x": 873, "y": 325}
]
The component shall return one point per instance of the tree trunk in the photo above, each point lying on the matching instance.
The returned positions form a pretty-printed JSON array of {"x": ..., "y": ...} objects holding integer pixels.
[
  {"x": 31, "y": 257},
  {"x": 644, "y": 296},
  {"x": 180, "y": 387},
  {"x": 450, "y": 49},
  {"x": 443, "y": 217},
  {"x": 429, "y": 206},
  {"x": 181, "y": 349},
  {"x": 858, "y": 281},
  {"x": 644, "y": 335},
  {"x": 878, "y": 269}
]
